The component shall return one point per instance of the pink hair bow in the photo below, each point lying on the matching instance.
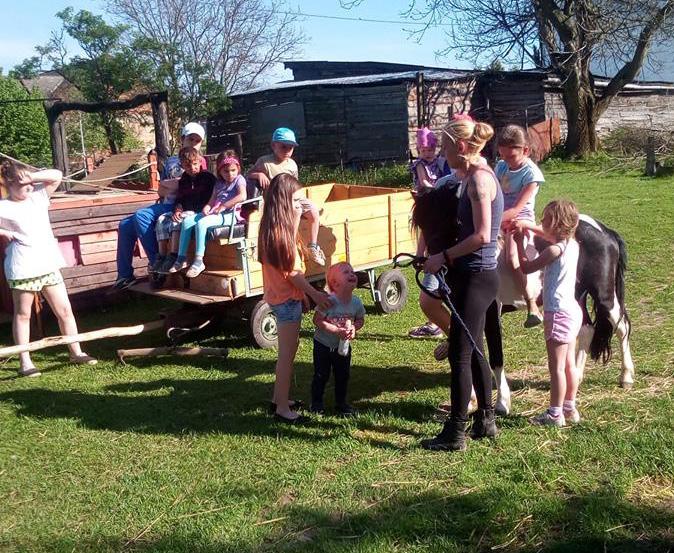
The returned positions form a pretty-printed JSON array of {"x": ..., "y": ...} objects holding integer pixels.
[{"x": 462, "y": 117}]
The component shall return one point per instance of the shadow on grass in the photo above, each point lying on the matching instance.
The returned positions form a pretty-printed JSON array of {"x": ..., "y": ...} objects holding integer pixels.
[
  {"x": 489, "y": 520},
  {"x": 232, "y": 401}
]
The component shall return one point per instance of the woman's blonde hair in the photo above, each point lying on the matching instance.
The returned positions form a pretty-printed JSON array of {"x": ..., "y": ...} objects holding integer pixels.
[
  {"x": 474, "y": 133},
  {"x": 277, "y": 242},
  {"x": 563, "y": 218}
]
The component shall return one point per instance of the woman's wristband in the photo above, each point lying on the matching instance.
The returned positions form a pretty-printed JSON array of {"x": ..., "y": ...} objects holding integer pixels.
[{"x": 448, "y": 259}]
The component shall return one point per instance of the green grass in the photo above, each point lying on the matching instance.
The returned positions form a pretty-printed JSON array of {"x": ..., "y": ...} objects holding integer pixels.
[{"x": 171, "y": 455}]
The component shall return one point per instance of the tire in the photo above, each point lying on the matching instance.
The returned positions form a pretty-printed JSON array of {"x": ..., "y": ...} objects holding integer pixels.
[
  {"x": 392, "y": 288},
  {"x": 263, "y": 325}
]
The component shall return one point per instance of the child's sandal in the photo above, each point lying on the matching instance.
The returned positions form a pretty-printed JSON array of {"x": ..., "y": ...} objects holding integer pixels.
[
  {"x": 195, "y": 270},
  {"x": 83, "y": 359},
  {"x": 29, "y": 372},
  {"x": 316, "y": 254}
]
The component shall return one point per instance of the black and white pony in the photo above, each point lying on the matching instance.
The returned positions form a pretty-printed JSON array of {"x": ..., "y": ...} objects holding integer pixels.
[{"x": 601, "y": 269}]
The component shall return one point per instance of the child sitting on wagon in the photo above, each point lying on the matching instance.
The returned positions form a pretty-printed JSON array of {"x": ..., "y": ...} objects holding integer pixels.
[
  {"x": 335, "y": 328},
  {"x": 280, "y": 161},
  {"x": 429, "y": 166},
  {"x": 33, "y": 259},
  {"x": 194, "y": 190},
  {"x": 222, "y": 209}
]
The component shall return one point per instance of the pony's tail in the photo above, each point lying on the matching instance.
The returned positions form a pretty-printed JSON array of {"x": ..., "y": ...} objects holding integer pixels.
[{"x": 600, "y": 346}]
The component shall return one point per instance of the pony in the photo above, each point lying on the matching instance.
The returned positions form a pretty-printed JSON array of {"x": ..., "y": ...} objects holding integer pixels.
[{"x": 601, "y": 276}]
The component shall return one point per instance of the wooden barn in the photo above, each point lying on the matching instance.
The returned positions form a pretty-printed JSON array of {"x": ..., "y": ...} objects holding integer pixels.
[{"x": 351, "y": 112}]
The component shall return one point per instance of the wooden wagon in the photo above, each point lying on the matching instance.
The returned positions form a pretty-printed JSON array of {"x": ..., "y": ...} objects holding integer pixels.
[{"x": 363, "y": 225}]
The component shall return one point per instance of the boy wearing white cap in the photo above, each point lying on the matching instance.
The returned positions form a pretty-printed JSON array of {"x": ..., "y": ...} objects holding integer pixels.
[
  {"x": 283, "y": 143},
  {"x": 141, "y": 224}
]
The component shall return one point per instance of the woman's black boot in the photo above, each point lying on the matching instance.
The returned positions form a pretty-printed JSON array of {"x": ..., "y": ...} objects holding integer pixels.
[
  {"x": 484, "y": 424},
  {"x": 452, "y": 437}
]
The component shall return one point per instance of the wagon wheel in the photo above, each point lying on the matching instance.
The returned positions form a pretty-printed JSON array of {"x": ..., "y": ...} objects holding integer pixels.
[
  {"x": 263, "y": 325},
  {"x": 392, "y": 288}
]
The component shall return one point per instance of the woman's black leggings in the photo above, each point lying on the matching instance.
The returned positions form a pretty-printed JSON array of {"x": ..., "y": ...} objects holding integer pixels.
[{"x": 472, "y": 294}]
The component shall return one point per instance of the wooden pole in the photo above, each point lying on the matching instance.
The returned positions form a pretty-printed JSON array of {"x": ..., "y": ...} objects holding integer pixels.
[
  {"x": 154, "y": 171},
  {"x": 172, "y": 350},
  {"x": 162, "y": 135},
  {"x": 59, "y": 145},
  {"x": 52, "y": 341}
]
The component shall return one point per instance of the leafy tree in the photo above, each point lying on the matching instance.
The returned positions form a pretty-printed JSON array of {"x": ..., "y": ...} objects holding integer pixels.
[
  {"x": 575, "y": 36},
  {"x": 203, "y": 50},
  {"x": 108, "y": 69},
  {"x": 25, "y": 134}
]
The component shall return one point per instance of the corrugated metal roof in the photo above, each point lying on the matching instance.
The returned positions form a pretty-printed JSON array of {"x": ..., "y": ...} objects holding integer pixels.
[{"x": 433, "y": 75}]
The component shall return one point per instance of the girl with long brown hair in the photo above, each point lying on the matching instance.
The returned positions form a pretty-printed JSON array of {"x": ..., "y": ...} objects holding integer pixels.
[{"x": 285, "y": 288}]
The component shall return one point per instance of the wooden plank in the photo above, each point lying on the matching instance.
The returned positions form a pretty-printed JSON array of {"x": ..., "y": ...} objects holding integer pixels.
[
  {"x": 72, "y": 202},
  {"x": 97, "y": 247},
  {"x": 178, "y": 295},
  {"x": 101, "y": 257},
  {"x": 83, "y": 270},
  {"x": 90, "y": 212},
  {"x": 98, "y": 278},
  {"x": 97, "y": 237},
  {"x": 219, "y": 283},
  {"x": 76, "y": 230},
  {"x": 82, "y": 222}
]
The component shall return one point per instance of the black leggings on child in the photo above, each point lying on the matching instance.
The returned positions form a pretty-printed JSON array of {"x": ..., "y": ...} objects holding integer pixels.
[
  {"x": 472, "y": 294},
  {"x": 326, "y": 361}
]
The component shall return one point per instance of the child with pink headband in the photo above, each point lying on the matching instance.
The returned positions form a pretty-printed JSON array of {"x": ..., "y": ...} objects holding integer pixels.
[
  {"x": 428, "y": 167},
  {"x": 221, "y": 210}
]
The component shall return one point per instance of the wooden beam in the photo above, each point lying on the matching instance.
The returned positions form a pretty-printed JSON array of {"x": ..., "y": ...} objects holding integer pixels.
[
  {"x": 52, "y": 341},
  {"x": 162, "y": 135}
]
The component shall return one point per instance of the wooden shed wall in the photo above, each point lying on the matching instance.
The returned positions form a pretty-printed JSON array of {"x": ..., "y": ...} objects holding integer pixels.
[
  {"x": 441, "y": 100},
  {"x": 644, "y": 109},
  {"x": 333, "y": 124}
]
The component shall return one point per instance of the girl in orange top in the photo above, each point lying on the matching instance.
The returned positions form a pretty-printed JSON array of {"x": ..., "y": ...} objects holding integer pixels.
[{"x": 285, "y": 288}]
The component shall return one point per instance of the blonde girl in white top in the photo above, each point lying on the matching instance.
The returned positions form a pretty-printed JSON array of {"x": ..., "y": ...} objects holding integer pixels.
[
  {"x": 562, "y": 315},
  {"x": 32, "y": 257}
]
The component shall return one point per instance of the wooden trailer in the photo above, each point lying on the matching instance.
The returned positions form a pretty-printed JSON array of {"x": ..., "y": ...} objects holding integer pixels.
[{"x": 363, "y": 225}]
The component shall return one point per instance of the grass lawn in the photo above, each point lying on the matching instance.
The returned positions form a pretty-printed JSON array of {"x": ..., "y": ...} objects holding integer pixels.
[{"x": 180, "y": 455}]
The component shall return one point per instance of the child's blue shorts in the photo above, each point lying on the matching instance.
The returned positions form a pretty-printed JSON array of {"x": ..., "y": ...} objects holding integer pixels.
[{"x": 288, "y": 312}]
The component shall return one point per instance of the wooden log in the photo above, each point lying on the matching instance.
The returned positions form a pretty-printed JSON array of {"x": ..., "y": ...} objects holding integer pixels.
[
  {"x": 111, "y": 332},
  {"x": 168, "y": 350}
]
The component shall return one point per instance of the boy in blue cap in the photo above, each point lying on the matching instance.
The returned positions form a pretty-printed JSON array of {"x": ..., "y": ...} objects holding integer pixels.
[{"x": 283, "y": 143}]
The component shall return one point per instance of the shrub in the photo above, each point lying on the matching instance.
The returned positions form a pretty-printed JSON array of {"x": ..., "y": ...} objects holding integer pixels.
[{"x": 24, "y": 132}]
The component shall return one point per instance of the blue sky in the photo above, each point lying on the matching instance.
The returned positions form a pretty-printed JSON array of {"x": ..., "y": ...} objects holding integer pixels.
[
  {"x": 33, "y": 20},
  {"x": 30, "y": 22}
]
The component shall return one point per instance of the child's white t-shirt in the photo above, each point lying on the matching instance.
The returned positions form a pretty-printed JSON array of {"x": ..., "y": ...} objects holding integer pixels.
[
  {"x": 35, "y": 251},
  {"x": 559, "y": 278}
]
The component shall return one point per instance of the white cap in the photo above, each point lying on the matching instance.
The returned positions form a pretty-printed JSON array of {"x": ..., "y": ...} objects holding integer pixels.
[{"x": 193, "y": 128}]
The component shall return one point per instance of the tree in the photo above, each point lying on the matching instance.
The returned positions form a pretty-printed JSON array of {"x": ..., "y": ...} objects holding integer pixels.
[
  {"x": 203, "y": 50},
  {"x": 25, "y": 135},
  {"x": 576, "y": 35},
  {"x": 108, "y": 69}
]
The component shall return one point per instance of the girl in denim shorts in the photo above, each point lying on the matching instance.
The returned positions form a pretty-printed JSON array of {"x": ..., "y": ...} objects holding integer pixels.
[
  {"x": 285, "y": 288},
  {"x": 562, "y": 316}
]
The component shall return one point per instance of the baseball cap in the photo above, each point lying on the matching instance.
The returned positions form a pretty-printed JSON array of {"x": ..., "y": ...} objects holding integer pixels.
[
  {"x": 193, "y": 128},
  {"x": 284, "y": 135}
]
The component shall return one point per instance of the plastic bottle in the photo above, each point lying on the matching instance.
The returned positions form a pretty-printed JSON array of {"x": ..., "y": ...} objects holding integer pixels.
[{"x": 343, "y": 347}]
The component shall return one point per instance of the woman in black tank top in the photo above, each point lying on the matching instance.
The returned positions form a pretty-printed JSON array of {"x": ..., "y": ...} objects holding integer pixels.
[{"x": 473, "y": 280}]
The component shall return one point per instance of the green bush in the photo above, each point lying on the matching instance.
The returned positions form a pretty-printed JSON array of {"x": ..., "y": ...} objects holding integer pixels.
[
  {"x": 24, "y": 132},
  {"x": 394, "y": 175}
]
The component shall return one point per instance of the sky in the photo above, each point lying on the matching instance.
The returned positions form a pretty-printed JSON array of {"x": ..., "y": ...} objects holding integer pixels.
[
  {"x": 30, "y": 22},
  {"x": 329, "y": 39}
]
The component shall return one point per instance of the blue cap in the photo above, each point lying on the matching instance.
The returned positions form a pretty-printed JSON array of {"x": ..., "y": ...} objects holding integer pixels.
[{"x": 284, "y": 135}]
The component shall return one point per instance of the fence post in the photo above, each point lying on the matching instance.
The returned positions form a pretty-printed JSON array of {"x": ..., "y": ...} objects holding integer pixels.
[
  {"x": 651, "y": 165},
  {"x": 154, "y": 172}
]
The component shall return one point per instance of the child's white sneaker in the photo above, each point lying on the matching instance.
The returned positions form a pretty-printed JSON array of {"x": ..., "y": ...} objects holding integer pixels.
[
  {"x": 316, "y": 254},
  {"x": 179, "y": 265},
  {"x": 572, "y": 416},
  {"x": 547, "y": 419}
]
